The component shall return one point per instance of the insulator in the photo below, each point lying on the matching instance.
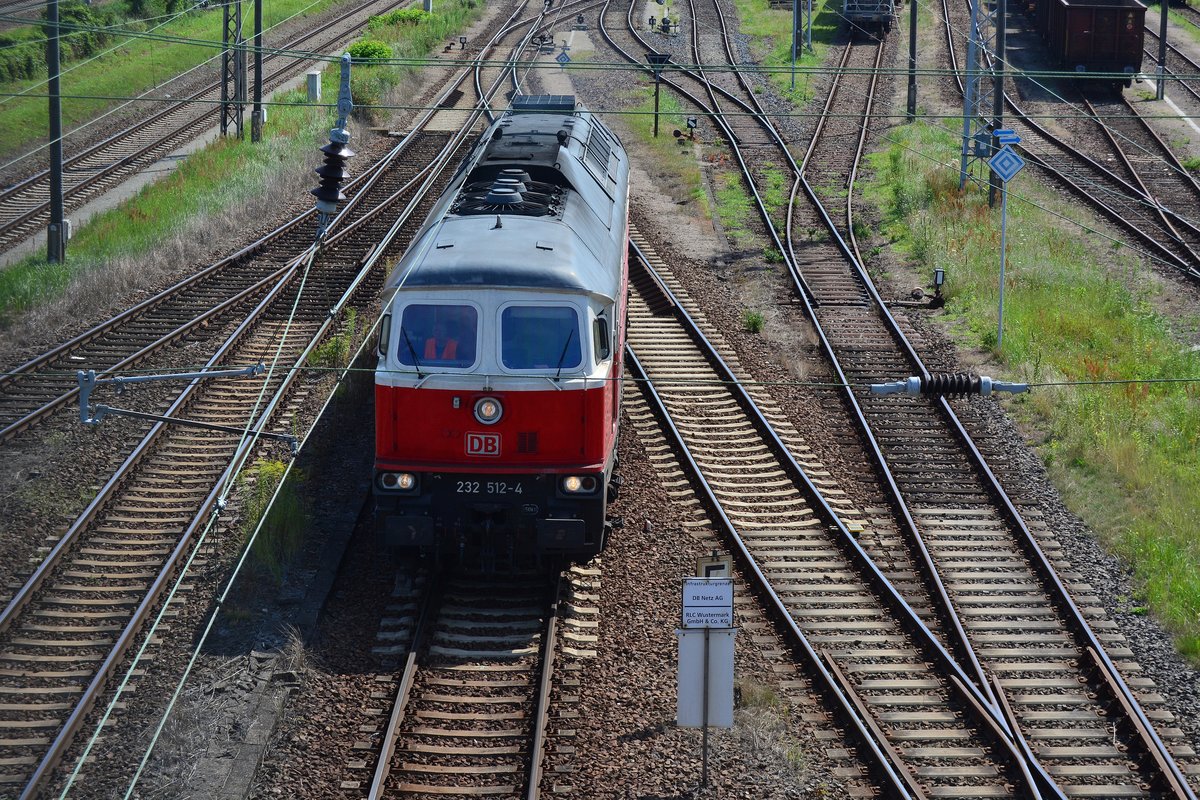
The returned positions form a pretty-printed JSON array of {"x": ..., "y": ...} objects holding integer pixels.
[
  {"x": 952, "y": 383},
  {"x": 333, "y": 173}
]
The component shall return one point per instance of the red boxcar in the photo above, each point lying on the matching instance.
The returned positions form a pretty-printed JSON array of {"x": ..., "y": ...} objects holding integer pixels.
[{"x": 1094, "y": 35}]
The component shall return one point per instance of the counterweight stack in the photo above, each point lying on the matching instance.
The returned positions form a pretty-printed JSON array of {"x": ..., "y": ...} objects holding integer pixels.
[{"x": 333, "y": 172}]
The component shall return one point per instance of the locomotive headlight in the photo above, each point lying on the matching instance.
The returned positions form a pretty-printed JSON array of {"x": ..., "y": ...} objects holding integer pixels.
[
  {"x": 398, "y": 481},
  {"x": 488, "y": 410},
  {"x": 579, "y": 484}
]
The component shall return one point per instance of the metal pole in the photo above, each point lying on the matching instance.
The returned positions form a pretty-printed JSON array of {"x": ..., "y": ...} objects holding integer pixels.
[
  {"x": 795, "y": 36},
  {"x": 256, "y": 116},
  {"x": 969, "y": 94},
  {"x": 808, "y": 28},
  {"x": 998, "y": 96},
  {"x": 656, "y": 83},
  {"x": 1003, "y": 248},
  {"x": 1161, "y": 91},
  {"x": 239, "y": 81},
  {"x": 56, "y": 235},
  {"x": 912, "y": 61},
  {"x": 704, "y": 720}
]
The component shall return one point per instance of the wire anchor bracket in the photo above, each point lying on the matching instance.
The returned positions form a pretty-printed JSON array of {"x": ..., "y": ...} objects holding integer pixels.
[{"x": 94, "y": 414}]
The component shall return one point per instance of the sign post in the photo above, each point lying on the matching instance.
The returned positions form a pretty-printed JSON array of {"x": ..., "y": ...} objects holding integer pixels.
[
  {"x": 706, "y": 636},
  {"x": 1005, "y": 165}
]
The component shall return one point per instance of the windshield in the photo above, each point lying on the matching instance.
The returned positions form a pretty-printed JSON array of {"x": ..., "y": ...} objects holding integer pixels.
[
  {"x": 437, "y": 336},
  {"x": 540, "y": 337}
]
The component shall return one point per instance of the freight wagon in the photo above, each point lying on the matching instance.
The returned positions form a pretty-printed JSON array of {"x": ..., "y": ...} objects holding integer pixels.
[{"x": 1094, "y": 35}]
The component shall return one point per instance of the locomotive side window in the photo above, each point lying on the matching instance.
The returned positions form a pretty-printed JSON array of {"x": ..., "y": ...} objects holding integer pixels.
[
  {"x": 385, "y": 333},
  {"x": 600, "y": 339},
  {"x": 437, "y": 336},
  {"x": 540, "y": 337}
]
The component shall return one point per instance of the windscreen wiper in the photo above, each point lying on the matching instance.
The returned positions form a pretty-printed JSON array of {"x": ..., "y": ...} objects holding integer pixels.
[
  {"x": 563, "y": 354},
  {"x": 413, "y": 351}
]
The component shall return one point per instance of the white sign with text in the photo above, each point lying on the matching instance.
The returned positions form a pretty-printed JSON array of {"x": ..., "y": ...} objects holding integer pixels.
[{"x": 707, "y": 603}]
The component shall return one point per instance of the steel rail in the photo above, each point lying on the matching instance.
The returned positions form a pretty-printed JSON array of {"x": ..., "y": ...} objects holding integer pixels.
[
  {"x": 125, "y": 640},
  {"x": 422, "y": 629},
  {"x": 1042, "y": 784},
  {"x": 23, "y": 595},
  {"x": 356, "y": 183},
  {"x": 1171, "y": 48},
  {"x": 140, "y": 355},
  {"x": 1172, "y": 777},
  {"x": 1113, "y": 215},
  {"x": 929, "y": 573},
  {"x": 545, "y": 686},
  {"x": 892, "y": 777},
  {"x": 716, "y": 117},
  {"x": 361, "y": 184},
  {"x": 182, "y": 130},
  {"x": 1159, "y": 208}
]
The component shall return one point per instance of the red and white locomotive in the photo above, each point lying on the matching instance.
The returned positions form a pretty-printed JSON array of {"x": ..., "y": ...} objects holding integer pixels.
[{"x": 497, "y": 393}]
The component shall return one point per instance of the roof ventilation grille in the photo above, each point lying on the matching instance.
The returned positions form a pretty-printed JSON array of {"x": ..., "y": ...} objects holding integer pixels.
[
  {"x": 503, "y": 196},
  {"x": 509, "y": 194}
]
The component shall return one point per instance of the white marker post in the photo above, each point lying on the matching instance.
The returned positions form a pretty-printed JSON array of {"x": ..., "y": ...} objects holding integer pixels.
[
  {"x": 1005, "y": 164},
  {"x": 706, "y": 659}
]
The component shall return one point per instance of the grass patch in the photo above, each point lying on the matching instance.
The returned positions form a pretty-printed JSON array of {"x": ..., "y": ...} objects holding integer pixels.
[
  {"x": 763, "y": 722},
  {"x": 286, "y": 520},
  {"x": 734, "y": 206},
  {"x": 223, "y": 175},
  {"x": 137, "y": 67},
  {"x": 753, "y": 321},
  {"x": 1127, "y": 457},
  {"x": 667, "y": 155},
  {"x": 775, "y": 190},
  {"x": 334, "y": 352},
  {"x": 408, "y": 35},
  {"x": 770, "y": 30}
]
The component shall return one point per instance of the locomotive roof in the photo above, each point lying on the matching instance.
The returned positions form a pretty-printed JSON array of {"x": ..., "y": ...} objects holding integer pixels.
[{"x": 567, "y": 232}]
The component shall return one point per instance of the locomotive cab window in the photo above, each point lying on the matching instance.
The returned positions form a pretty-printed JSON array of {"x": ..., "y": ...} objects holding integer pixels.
[
  {"x": 437, "y": 336},
  {"x": 601, "y": 340},
  {"x": 540, "y": 337}
]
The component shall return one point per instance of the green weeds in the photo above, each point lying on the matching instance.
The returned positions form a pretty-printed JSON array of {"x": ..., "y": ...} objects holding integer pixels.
[
  {"x": 286, "y": 521},
  {"x": 223, "y": 175},
  {"x": 734, "y": 206},
  {"x": 1126, "y": 456},
  {"x": 334, "y": 352}
]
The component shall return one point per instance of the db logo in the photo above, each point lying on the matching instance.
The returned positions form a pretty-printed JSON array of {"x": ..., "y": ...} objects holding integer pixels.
[{"x": 483, "y": 444}]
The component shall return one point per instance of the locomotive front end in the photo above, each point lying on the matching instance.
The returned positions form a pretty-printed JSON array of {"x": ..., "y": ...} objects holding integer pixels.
[{"x": 497, "y": 390}]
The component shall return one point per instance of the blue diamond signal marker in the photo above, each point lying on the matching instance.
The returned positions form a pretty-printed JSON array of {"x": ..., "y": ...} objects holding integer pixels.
[
  {"x": 563, "y": 59},
  {"x": 1006, "y": 164}
]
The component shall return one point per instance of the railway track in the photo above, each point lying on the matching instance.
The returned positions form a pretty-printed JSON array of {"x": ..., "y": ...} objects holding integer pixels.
[
  {"x": 471, "y": 705},
  {"x": 1168, "y": 234},
  {"x": 1034, "y": 655},
  {"x": 32, "y": 391},
  {"x": 870, "y": 652},
  {"x": 98, "y": 167},
  {"x": 81, "y": 610},
  {"x": 211, "y": 298}
]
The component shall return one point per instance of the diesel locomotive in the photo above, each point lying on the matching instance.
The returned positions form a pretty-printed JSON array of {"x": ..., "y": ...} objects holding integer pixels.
[{"x": 497, "y": 390}]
